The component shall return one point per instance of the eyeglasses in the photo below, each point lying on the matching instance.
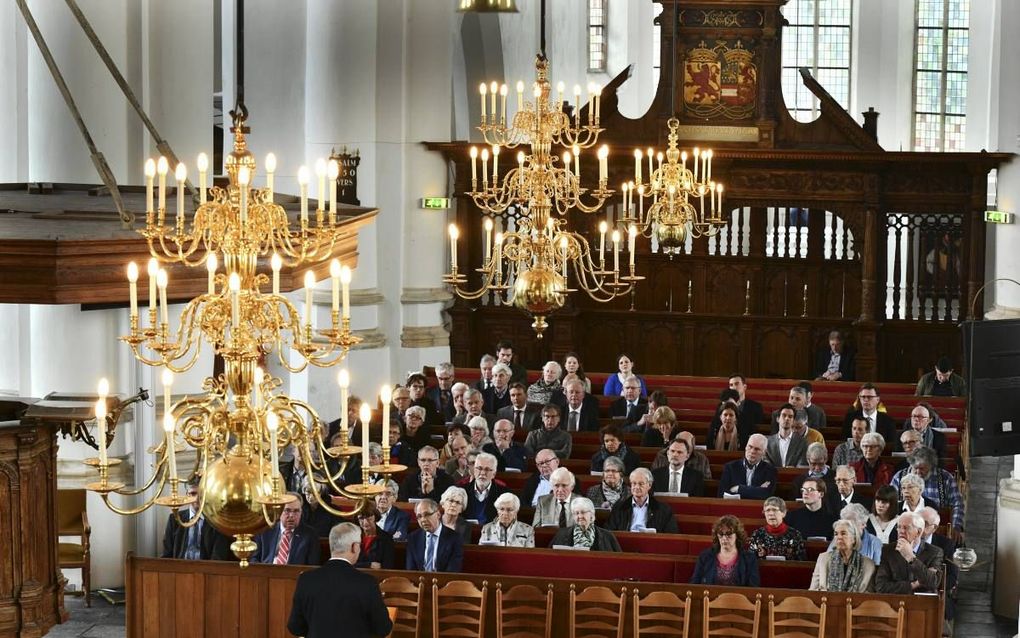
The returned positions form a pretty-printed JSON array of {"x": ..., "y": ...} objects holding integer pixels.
[
  {"x": 807, "y": 490},
  {"x": 291, "y": 512},
  {"x": 424, "y": 515},
  {"x": 435, "y": 460},
  {"x": 918, "y": 417},
  {"x": 726, "y": 534},
  {"x": 484, "y": 470},
  {"x": 545, "y": 462},
  {"x": 844, "y": 480}
]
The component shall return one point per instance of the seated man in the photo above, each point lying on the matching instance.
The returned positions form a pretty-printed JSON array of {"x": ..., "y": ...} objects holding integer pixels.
[
  {"x": 539, "y": 483},
  {"x": 512, "y": 453},
  {"x": 818, "y": 468},
  {"x": 676, "y": 477},
  {"x": 786, "y": 448},
  {"x": 845, "y": 494},
  {"x": 750, "y": 412},
  {"x": 911, "y": 565},
  {"x": 801, "y": 427},
  {"x": 837, "y": 362},
  {"x": 921, "y": 420},
  {"x": 485, "y": 365},
  {"x": 551, "y": 436},
  {"x": 483, "y": 490},
  {"x": 416, "y": 384},
  {"x": 553, "y": 509},
  {"x": 872, "y": 469},
  {"x": 751, "y": 476},
  {"x": 523, "y": 415},
  {"x": 798, "y": 398},
  {"x": 879, "y": 421},
  {"x": 429, "y": 481},
  {"x": 289, "y": 542},
  {"x": 200, "y": 541},
  {"x": 497, "y": 396},
  {"x": 814, "y": 519},
  {"x": 940, "y": 488},
  {"x": 641, "y": 511},
  {"x": 910, "y": 440},
  {"x": 581, "y": 410},
  {"x": 474, "y": 405},
  {"x": 630, "y": 407},
  {"x": 441, "y": 394},
  {"x": 816, "y": 414},
  {"x": 433, "y": 547},
  {"x": 391, "y": 519},
  {"x": 505, "y": 355},
  {"x": 942, "y": 381},
  {"x": 931, "y": 524}
]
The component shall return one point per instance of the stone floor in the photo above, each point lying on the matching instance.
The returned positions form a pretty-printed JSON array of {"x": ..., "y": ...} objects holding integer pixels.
[{"x": 974, "y": 618}]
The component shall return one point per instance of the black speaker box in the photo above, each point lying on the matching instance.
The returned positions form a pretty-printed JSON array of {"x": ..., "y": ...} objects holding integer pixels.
[{"x": 992, "y": 360}]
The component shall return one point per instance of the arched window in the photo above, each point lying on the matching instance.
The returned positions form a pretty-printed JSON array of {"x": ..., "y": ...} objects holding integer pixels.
[
  {"x": 818, "y": 37},
  {"x": 940, "y": 74}
]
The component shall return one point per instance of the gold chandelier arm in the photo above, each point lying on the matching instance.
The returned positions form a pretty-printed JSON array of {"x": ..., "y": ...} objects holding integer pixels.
[{"x": 130, "y": 511}]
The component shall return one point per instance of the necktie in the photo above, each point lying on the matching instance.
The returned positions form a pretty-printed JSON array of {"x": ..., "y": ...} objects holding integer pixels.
[
  {"x": 193, "y": 551},
  {"x": 572, "y": 420},
  {"x": 283, "y": 551},
  {"x": 630, "y": 409},
  {"x": 430, "y": 553},
  {"x": 674, "y": 482},
  {"x": 519, "y": 418},
  {"x": 563, "y": 514},
  {"x": 871, "y": 424}
]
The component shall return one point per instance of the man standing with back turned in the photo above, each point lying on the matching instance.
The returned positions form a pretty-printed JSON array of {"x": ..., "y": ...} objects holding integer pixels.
[{"x": 337, "y": 597}]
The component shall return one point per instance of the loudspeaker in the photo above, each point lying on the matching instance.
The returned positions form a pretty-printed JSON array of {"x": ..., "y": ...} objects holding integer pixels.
[{"x": 992, "y": 356}]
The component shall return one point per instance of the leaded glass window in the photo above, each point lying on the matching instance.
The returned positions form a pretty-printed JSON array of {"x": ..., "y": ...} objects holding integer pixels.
[
  {"x": 596, "y": 35},
  {"x": 940, "y": 75},
  {"x": 818, "y": 37}
]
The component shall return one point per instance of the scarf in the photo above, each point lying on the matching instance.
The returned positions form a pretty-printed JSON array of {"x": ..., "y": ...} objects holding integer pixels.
[
  {"x": 845, "y": 577},
  {"x": 928, "y": 437},
  {"x": 584, "y": 538},
  {"x": 779, "y": 530},
  {"x": 612, "y": 495}
]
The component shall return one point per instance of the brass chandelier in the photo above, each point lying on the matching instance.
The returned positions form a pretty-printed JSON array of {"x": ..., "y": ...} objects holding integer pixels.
[
  {"x": 242, "y": 420},
  {"x": 530, "y": 266}
]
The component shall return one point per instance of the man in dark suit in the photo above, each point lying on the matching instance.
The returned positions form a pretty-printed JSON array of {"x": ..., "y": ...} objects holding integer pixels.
[
  {"x": 878, "y": 421},
  {"x": 837, "y": 362},
  {"x": 580, "y": 410},
  {"x": 845, "y": 494},
  {"x": 749, "y": 412},
  {"x": 630, "y": 407},
  {"x": 200, "y": 541},
  {"x": 922, "y": 422},
  {"x": 948, "y": 546},
  {"x": 416, "y": 384},
  {"x": 429, "y": 481},
  {"x": 497, "y": 396},
  {"x": 676, "y": 477},
  {"x": 485, "y": 372},
  {"x": 818, "y": 469},
  {"x": 505, "y": 354},
  {"x": 911, "y": 565},
  {"x": 751, "y": 476},
  {"x": 391, "y": 518},
  {"x": 512, "y": 453},
  {"x": 482, "y": 490},
  {"x": 337, "y": 595},
  {"x": 440, "y": 394},
  {"x": 289, "y": 542},
  {"x": 433, "y": 547},
  {"x": 525, "y": 417},
  {"x": 641, "y": 511},
  {"x": 795, "y": 445},
  {"x": 474, "y": 405}
]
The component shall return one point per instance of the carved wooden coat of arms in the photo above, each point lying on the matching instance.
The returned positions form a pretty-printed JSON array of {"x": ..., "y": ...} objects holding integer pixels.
[{"x": 720, "y": 82}]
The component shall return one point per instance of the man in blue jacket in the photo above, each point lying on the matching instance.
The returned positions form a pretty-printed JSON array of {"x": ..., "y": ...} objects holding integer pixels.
[
  {"x": 752, "y": 476},
  {"x": 433, "y": 547}
]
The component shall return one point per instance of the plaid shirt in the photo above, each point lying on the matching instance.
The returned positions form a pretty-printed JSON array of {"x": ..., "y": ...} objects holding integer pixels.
[{"x": 949, "y": 496}]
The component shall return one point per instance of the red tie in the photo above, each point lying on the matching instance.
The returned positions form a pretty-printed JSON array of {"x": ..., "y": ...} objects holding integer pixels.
[{"x": 283, "y": 551}]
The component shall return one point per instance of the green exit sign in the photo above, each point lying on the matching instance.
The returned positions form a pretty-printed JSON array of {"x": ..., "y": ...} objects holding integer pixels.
[
  {"x": 435, "y": 203},
  {"x": 998, "y": 217}
]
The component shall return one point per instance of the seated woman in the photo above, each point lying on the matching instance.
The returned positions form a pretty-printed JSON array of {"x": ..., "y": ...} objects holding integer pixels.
[
  {"x": 656, "y": 400},
  {"x": 870, "y": 468},
  {"x": 882, "y": 522},
  {"x": 844, "y": 568},
  {"x": 727, "y": 438},
  {"x": 584, "y": 533},
  {"x": 613, "y": 446},
  {"x": 376, "y": 543},
  {"x": 664, "y": 428},
  {"x": 479, "y": 435},
  {"x": 776, "y": 538},
  {"x": 506, "y": 530},
  {"x": 541, "y": 391},
  {"x": 613, "y": 486},
  {"x": 572, "y": 365},
  {"x": 614, "y": 384},
  {"x": 850, "y": 450},
  {"x": 416, "y": 435},
  {"x": 869, "y": 544},
  {"x": 725, "y": 562},
  {"x": 453, "y": 502}
]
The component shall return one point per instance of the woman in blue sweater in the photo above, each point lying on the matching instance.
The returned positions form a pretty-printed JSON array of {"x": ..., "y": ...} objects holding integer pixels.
[
  {"x": 727, "y": 562},
  {"x": 614, "y": 384}
]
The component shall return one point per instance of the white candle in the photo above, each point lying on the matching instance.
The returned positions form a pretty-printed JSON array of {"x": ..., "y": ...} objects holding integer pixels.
[
  {"x": 302, "y": 177},
  {"x": 150, "y": 173},
  {"x": 559, "y": 96},
  {"x": 333, "y": 172},
  {"x": 153, "y": 270},
  {"x": 161, "y": 281},
  {"x": 485, "y": 168},
  {"x": 577, "y": 159},
  {"x": 637, "y": 165},
  {"x": 520, "y": 95},
  {"x": 651, "y": 168},
  {"x": 577, "y": 105},
  {"x": 474, "y": 162},
  {"x": 563, "y": 255},
  {"x": 616, "y": 251},
  {"x": 309, "y": 285},
  {"x": 603, "y": 227},
  {"x": 632, "y": 237},
  {"x": 101, "y": 422},
  {"x": 334, "y": 278},
  {"x": 499, "y": 255},
  {"x": 454, "y": 233},
  {"x": 697, "y": 156},
  {"x": 343, "y": 379},
  {"x": 234, "y": 284},
  {"x": 171, "y": 453},
  {"x": 275, "y": 262},
  {"x": 161, "y": 168},
  {"x": 132, "y": 274},
  {"x": 345, "y": 285},
  {"x": 493, "y": 90},
  {"x": 320, "y": 172},
  {"x": 708, "y": 165},
  {"x": 211, "y": 263},
  {"x": 203, "y": 168},
  {"x": 502, "y": 100},
  {"x": 495, "y": 163},
  {"x": 366, "y": 418},
  {"x": 181, "y": 174},
  {"x": 386, "y": 397},
  {"x": 243, "y": 179},
  {"x": 273, "y": 424},
  {"x": 483, "y": 89},
  {"x": 520, "y": 171},
  {"x": 168, "y": 380},
  {"x": 270, "y": 170},
  {"x": 487, "y": 237},
  {"x": 718, "y": 191}
]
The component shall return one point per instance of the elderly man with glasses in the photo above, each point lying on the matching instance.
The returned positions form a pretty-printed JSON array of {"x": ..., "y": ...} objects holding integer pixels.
[
  {"x": 391, "y": 519},
  {"x": 289, "y": 542},
  {"x": 441, "y": 394},
  {"x": 922, "y": 421},
  {"x": 751, "y": 476},
  {"x": 911, "y": 565},
  {"x": 483, "y": 490},
  {"x": 429, "y": 481},
  {"x": 433, "y": 547},
  {"x": 539, "y": 483},
  {"x": 553, "y": 509},
  {"x": 940, "y": 487},
  {"x": 551, "y": 436}
]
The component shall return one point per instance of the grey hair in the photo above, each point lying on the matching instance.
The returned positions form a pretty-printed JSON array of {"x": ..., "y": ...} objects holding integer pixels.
[
  {"x": 416, "y": 410},
  {"x": 582, "y": 504},
  {"x": 470, "y": 393},
  {"x": 817, "y": 450},
  {"x": 923, "y": 455},
  {"x": 775, "y": 501},
  {"x": 459, "y": 388},
  {"x": 486, "y": 358},
  {"x": 800, "y": 415},
  {"x": 855, "y": 512},
  {"x": 478, "y": 423},
  {"x": 615, "y": 462},
  {"x": 912, "y": 479},
  {"x": 555, "y": 366},
  {"x": 914, "y": 518},
  {"x": 798, "y": 390},
  {"x": 845, "y": 468},
  {"x": 562, "y": 472},
  {"x": 761, "y": 438},
  {"x": 874, "y": 437},
  {"x": 389, "y": 484},
  {"x": 342, "y": 536},
  {"x": 445, "y": 366},
  {"x": 374, "y": 449},
  {"x": 502, "y": 367},
  {"x": 642, "y": 471},
  {"x": 932, "y": 513},
  {"x": 851, "y": 528},
  {"x": 485, "y": 456},
  {"x": 428, "y": 448},
  {"x": 454, "y": 493},
  {"x": 508, "y": 498}
]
